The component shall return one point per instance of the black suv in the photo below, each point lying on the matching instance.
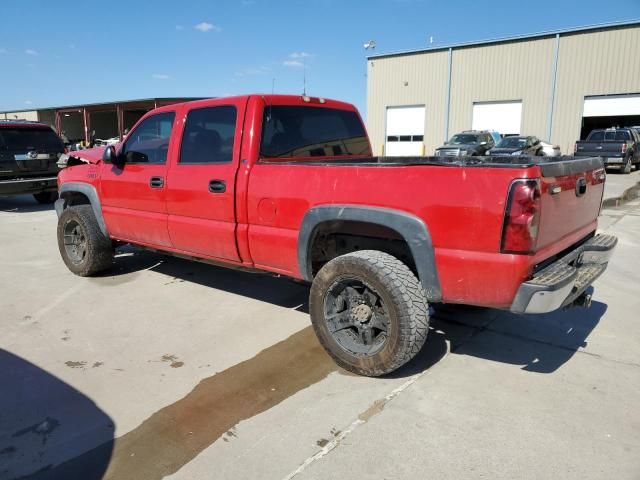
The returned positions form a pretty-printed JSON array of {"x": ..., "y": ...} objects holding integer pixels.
[
  {"x": 471, "y": 142},
  {"x": 29, "y": 153}
]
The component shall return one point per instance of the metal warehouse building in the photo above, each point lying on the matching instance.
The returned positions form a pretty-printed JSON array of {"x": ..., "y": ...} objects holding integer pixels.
[{"x": 554, "y": 85}]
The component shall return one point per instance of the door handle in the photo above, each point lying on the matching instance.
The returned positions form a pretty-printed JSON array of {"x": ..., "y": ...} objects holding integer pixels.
[
  {"x": 217, "y": 186},
  {"x": 156, "y": 182}
]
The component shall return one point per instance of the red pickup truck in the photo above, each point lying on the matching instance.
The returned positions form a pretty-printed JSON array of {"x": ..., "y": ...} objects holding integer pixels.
[{"x": 287, "y": 184}]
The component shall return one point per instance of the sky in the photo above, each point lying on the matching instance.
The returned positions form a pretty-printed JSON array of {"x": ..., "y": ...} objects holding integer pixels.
[{"x": 56, "y": 52}]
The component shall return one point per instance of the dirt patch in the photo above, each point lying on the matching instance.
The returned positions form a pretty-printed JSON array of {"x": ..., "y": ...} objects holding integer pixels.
[{"x": 75, "y": 364}]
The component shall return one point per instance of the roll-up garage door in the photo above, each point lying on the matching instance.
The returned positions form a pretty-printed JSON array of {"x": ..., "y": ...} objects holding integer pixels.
[
  {"x": 405, "y": 131},
  {"x": 503, "y": 117},
  {"x": 610, "y": 111}
]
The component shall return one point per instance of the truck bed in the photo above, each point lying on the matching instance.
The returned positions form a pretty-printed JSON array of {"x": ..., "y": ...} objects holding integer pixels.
[
  {"x": 462, "y": 201},
  {"x": 550, "y": 166}
]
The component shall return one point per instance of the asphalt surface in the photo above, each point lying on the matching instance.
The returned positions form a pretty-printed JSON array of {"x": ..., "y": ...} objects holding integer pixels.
[{"x": 164, "y": 368}]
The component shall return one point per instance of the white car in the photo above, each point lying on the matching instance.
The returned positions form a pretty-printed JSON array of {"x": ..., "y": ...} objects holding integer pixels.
[{"x": 550, "y": 150}]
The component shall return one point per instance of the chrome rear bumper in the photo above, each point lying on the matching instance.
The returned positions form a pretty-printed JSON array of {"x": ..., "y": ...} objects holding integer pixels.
[{"x": 562, "y": 282}]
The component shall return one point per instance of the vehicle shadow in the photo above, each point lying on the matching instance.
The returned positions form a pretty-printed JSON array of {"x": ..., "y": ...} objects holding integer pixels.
[
  {"x": 44, "y": 422},
  {"x": 23, "y": 204},
  {"x": 539, "y": 343}
]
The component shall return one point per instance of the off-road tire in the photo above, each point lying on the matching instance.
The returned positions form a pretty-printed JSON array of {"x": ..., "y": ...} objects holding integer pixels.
[
  {"x": 46, "y": 197},
  {"x": 403, "y": 297},
  {"x": 98, "y": 248}
]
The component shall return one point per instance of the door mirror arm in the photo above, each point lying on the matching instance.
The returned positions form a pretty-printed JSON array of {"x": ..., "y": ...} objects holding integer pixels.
[{"x": 110, "y": 155}]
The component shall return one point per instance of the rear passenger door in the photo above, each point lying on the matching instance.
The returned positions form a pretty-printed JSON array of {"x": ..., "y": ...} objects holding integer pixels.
[{"x": 201, "y": 195}]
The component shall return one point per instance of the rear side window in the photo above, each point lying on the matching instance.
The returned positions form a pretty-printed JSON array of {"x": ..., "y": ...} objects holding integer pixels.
[
  {"x": 208, "y": 135},
  {"x": 289, "y": 131},
  {"x": 149, "y": 142},
  {"x": 30, "y": 139}
]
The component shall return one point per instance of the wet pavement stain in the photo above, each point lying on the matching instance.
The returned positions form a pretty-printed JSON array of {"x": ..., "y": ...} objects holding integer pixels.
[
  {"x": 173, "y": 436},
  {"x": 72, "y": 364}
]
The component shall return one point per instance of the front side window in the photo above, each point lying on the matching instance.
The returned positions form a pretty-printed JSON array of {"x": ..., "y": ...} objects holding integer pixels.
[
  {"x": 208, "y": 135},
  {"x": 149, "y": 142},
  {"x": 289, "y": 131}
]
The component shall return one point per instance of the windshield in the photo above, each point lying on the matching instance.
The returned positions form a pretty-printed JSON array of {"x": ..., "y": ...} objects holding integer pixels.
[
  {"x": 29, "y": 139},
  {"x": 312, "y": 132},
  {"x": 512, "y": 142},
  {"x": 464, "y": 139}
]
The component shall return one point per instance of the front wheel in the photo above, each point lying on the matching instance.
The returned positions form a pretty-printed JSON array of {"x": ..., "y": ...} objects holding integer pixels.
[
  {"x": 369, "y": 312},
  {"x": 83, "y": 247}
]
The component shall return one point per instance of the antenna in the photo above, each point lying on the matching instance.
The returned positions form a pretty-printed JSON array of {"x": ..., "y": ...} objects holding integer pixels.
[{"x": 304, "y": 76}]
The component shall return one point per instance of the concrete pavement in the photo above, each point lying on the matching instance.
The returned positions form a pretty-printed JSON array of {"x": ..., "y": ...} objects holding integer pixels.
[{"x": 172, "y": 369}]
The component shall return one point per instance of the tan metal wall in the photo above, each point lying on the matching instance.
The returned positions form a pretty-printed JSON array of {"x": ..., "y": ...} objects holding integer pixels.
[
  {"x": 30, "y": 115},
  {"x": 425, "y": 76},
  {"x": 597, "y": 62},
  {"x": 506, "y": 71}
]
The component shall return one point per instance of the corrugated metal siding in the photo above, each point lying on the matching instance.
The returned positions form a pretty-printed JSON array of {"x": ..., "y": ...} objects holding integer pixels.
[
  {"x": 426, "y": 78},
  {"x": 509, "y": 71},
  {"x": 603, "y": 62}
]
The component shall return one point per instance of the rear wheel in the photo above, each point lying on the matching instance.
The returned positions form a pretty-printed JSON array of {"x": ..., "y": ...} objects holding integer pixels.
[
  {"x": 46, "y": 197},
  {"x": 369, "y": 312},
  {"x": 83, "y": 247}
]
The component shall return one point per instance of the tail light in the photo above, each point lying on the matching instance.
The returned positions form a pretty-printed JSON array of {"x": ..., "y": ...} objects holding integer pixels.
[
  {"x": 624, "y": 148},
  {"x": 522, "y": 217}
]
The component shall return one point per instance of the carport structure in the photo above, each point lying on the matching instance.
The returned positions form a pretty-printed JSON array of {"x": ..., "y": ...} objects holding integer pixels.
[{"x": 107, "y": 120}]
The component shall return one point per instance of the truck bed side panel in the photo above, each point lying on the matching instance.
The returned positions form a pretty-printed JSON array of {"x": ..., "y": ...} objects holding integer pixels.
[{"x": 463, "y": 209}]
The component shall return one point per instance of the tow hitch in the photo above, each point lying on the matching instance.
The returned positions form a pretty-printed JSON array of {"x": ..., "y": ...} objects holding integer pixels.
[{"x": 584, "y": 301}]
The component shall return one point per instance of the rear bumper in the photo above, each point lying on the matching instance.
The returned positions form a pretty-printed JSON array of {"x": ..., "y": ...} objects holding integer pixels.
[
  {"x": 560, "y": 283},
  {"x": 17, "y": 186}
]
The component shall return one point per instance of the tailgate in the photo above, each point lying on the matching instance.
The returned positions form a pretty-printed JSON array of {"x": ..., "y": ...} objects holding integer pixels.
[
  {"x": 603, "y": 149},
  {"x": 571, "y": 192}
]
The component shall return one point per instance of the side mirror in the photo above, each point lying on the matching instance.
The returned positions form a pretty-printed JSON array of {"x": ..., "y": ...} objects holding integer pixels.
[{"x": 111, "y": 156}]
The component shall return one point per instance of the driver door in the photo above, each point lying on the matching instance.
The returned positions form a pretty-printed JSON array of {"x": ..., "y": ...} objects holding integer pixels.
[{"x": 134, "y": 196}]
